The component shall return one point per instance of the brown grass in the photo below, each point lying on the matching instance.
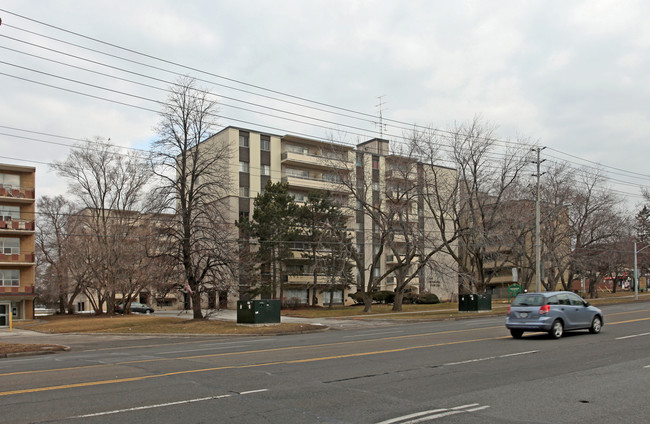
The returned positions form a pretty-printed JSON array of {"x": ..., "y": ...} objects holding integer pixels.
[
  {"x": 142, "y": 324},
  {"x": 6, "y": 348}
]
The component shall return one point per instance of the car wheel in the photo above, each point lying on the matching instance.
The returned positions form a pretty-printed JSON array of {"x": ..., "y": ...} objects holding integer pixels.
[
  {"x": 596, "y": 325},
  {"x": 516, "y": 334},
  {"x": 556, "y": 329}
]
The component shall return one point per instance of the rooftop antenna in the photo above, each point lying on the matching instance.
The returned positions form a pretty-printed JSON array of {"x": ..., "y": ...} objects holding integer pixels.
[{"x": 380, "y": 124}]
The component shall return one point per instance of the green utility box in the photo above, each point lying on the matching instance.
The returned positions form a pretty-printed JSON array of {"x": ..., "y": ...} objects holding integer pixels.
[
  {"x": 475, "y": 302},
  {"x": 263, "y": 311}
]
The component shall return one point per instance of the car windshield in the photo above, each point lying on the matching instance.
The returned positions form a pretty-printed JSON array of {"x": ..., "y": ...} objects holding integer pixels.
[{"x": 528, "y": 300}]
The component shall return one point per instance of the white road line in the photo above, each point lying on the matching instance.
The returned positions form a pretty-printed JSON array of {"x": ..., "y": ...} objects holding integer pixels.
[
  {"x": 253, "y": 391},
  {"x": 480, "y": 408},
  {"x": 434, "y": 414},
  {"x": 463, "y": 406},
  {"x": 469, "y": 361},
  {"x": 632, "y": 336},
  {"x": 197, "y": 350},
  {"x": 417, "y": 414},
  {"x": 433, "y": 417},
  {"x": 381, "y": 333},
  {"x": 162, "y": 405}
]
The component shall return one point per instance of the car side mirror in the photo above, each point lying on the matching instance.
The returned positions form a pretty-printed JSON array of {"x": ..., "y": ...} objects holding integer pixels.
[{"x": 587, "y": 304}]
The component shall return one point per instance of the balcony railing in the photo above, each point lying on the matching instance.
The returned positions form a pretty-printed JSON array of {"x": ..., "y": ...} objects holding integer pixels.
[
  {"x": 25, "y": 257},
  {"x": 314, "y": 183},
  {"x": 323, "y": 161},
  {"x": 18, "y": 192},
  {"x": 7, "y": 223}
]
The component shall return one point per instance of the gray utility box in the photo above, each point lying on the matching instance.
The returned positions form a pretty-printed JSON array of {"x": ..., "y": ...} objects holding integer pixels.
[
  {"x": 263, "y": 311},
  {"x": 475, "y": 302}
]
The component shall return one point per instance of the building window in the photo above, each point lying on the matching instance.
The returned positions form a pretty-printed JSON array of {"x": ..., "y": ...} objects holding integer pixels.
[
  {"x": 9, "y": 181},
  {"x": 298, "y": 197},
  {"x": 301, "y": 173},
  {"x": 265, "y": 143},
  {"x": 266, "y": 169},
  {"x": 243, "y": 166},
  {"x": 9, "y": 212},
  {"x": 375, "y": 162},
  {"x": 332, "y": 178},
  {"x": 293, "y": 148},
  {"x": 359, "y": 159},
  {"x": 375, "y": 186},
  {"x": 296, "y": 296},
  {"x": 243, "y": 139},
  {"x": 244, "y": 191},
  {"x": 10, "y": 277},
  {"x": 9, "y": 245}
]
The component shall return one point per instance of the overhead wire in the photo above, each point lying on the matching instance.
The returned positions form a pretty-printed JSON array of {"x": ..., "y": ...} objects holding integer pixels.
[{"x": 448, "y": 133}]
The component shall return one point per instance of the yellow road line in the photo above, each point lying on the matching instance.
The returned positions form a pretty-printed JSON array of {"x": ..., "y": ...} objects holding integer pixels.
[
  {"x": 212, "y": 355},
  {"x": 295, "y": 361}
]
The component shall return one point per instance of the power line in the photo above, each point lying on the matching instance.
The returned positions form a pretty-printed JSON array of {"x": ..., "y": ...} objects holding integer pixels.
[{"x": 449, "y": 134}]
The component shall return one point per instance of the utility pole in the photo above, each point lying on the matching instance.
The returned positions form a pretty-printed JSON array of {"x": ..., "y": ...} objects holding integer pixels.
[{"x": 538, "y": 252}]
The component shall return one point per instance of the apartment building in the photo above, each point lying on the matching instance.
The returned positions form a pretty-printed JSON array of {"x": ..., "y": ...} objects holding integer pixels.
[
  {"x": 352, "y": 174},
  {"x": 17, "y": 260}
]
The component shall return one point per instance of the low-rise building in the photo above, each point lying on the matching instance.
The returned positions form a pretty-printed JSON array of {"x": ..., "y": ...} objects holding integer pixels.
[{"x": 17, "y": 232}]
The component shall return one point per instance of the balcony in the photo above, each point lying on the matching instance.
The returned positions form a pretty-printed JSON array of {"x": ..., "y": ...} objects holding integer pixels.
[
  {"x": 318, "y": 161},
  {"x": 12, "y": 194},
  {"x": 15, "y": 226},
  {"x": 314, "y": 183},
  {"x": 307, "y": 279},
  {"x": 17, "y": 258}
]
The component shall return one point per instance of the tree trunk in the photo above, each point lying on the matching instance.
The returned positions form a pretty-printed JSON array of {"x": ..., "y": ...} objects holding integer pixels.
[
  {"x": 367, "y": 302},
  {"x": 196, "y": 305},
  {"x": 397, "y": 303}
]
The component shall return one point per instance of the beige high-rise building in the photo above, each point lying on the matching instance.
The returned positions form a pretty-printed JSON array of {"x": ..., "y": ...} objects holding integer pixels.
[
  {"x": 306, "y": 165},
  {"x": 17, "y": 260}
]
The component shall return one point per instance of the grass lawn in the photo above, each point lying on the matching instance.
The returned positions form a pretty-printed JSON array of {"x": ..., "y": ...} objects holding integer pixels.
[{"x": 439, "y": 310}]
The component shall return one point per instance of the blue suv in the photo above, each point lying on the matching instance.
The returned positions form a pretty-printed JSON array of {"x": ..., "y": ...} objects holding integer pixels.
[{"x": 553, "y": 312}]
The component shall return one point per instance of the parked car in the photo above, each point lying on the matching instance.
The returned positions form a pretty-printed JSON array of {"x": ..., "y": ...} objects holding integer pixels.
[
  {"x": 553, "y": 312},
  {"x": 135, "y": 307}
]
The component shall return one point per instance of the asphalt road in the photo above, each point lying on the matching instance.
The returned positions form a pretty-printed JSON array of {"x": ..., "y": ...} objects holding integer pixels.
[{"x": 468, "y": 371}]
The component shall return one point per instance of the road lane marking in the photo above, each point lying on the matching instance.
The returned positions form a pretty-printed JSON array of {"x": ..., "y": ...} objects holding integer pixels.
[
  {"x": 197, "y": 350},
  {"x": 469, "y": 361},
  {"x": 264, "y": 350},
  {"x": 628, "y": 321},
  {"x": 434, "y": 414},
  {"x": 632, "y": 336},
  {"x": 230, "y": 367},
  {"x": 375, "y": 333},
  {"x": 279, "y": 349},
  {"x": 162, "y": 405}
]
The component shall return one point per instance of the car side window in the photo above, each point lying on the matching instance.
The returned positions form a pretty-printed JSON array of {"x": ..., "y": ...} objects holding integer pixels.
[
  {"x": 575, "y": 300},
  {"x": 552, "y": 301},
  {"x": 563, "y": 299}
]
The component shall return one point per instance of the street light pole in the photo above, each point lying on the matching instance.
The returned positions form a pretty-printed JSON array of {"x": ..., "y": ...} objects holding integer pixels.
[
  {"x": 636, "y": 273},
  {"x": 636, "y": 277}
]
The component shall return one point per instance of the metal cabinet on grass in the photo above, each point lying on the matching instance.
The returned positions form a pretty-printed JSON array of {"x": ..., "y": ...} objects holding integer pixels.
[{"x": 263, "y": 311}]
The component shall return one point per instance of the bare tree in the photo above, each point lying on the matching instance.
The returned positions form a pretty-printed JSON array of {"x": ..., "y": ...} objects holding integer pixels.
[
  {"x": 193, "y": 177},
  {"x": 53, "y": 247},
  {"x": 594, "y": 220},
  {"x": 473, "y": 207},
  {"x": 109, "y": 186}
]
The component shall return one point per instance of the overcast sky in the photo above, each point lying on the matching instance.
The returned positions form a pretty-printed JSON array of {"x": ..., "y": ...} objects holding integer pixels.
[{"x": 571, "y": 75}]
